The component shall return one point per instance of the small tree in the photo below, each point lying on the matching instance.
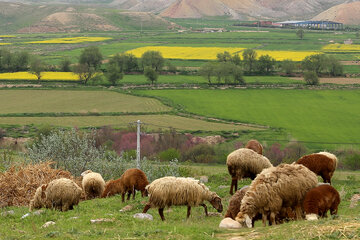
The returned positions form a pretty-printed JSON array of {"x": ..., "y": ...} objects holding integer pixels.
[
  {"x": 311, "y": 78},
  {"x": 65, "y": 65},
  {"x": 315, "y": 63},
  {"x": 335, "y": 68},
  {"x": 84, "y": 72},
  {"x": 224, "y": 57},
  {"x": 37, "y": 67},
  {"x": 288, "y": 66},
  {"x": 153, "y": 59},
  {"x": 300, "y": 33},
  {"x": 151, "y": 75},
  {"x": 265, "y": 64},
  {"x": 207, "y": 70},
  {"x": 113, "y": 73},
  {"x": 249, "y": 58},
  {"x": 89, "y": 63}
]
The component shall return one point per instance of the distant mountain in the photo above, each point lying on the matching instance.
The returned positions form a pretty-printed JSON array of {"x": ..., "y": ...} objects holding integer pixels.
[{"x": 347, "y": 13}]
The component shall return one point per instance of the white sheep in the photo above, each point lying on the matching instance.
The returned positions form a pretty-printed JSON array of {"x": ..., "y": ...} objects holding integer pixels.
[
  {"x": 93, "y": 184},
  {"x": 274, "y": 189},
  {"x": 244, "y": 163},
  {"x": 177, "y": 191},
  {"x": 61, "y": 194}
]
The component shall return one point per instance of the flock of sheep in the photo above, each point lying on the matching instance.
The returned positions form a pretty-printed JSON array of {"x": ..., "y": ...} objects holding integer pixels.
[{"x": 276, "y": 194}]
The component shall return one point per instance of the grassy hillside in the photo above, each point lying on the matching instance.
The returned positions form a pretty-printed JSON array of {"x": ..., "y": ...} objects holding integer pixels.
[{"x": 307, "y": 115}]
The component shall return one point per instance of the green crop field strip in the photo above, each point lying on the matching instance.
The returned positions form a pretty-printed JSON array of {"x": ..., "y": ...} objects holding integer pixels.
[
  {"x": 308, "y": 115},
  {"x": 45, "y": 101}
]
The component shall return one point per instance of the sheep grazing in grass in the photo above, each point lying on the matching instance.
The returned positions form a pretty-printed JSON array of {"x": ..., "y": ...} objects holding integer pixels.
[
  {"x": 274, "y": 189},
  {"x": 93, "y": 184},
  {"x": 254, "y": 145},
  {"x": 131, "y": 180},
  {"x": 322, "y": 163},
  {"x": 319, "y": 200},
  {"x": 285, "y": 214},
  {"x": 61, "y": 194},
  {"x": 179, "y": 191},
  {"x": 244, "y": 163}
]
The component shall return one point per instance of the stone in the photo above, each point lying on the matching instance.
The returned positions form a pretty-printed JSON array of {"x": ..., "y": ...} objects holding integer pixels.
[
  {"x": 354, "y": 199},
  {"x": 8, "y": 213},
  {"x": 311, "y": 217},
  {"x": 143, "y": 216},
  {"x": 101, "y": 220},
  {"x": 223, "y": 186},
  {"x": 38, "y": 212},
  {"x": 126, "y": 208},
  {"x": 47, "y": 224},
  {"x": 204, "y": 179},
  {"x": 214, "y": 214},
  {"x": 25, "y": 216},
  {"x": 229, "y": 223}
]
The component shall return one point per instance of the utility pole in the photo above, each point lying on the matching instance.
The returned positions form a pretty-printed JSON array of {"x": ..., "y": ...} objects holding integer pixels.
[{"x": 138, "y": 145}]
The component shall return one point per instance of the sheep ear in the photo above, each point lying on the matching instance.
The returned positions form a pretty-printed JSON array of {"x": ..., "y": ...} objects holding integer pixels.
[
  {"x": 248, "y": 221},
  {"x": 43, "y": 187}
]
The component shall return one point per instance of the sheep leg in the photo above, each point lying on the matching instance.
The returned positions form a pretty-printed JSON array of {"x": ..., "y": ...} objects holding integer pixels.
[
  {"x": 298, "y": 212},
  {"x": 123, "y": 197},
  {"x": 134, "y": 193},
  {"x": 272, "y": 219},
  {"x": 264, "y": 219},
  {"x": 161, "y": 213},
  {"x": 128, "y": 196},
  {"x": 233, "y": 183},
  {"x": 205, "y": 208},
  {"x": 236, "y": 185},
  {"x": 188, "y": 212},
  {"x": 147, "y": 207}
]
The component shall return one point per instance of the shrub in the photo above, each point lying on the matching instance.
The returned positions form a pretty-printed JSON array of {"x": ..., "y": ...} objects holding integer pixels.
[
  {"x": 169, "y": 154},
  {"x": 202, "y": 153},
  {"x": 352, "y": 161},
  {"x": 6, "y": 159},
  {"x": 311, "y": 78}
]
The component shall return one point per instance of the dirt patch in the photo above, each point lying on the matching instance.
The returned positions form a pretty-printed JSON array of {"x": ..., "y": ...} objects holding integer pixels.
[{"x": 335, "y": 80}]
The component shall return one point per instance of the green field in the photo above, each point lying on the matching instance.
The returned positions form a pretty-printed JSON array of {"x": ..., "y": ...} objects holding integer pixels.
[
  {"x": 76, "y": 224},
  {"x": 307, "y": 115},
  {"x": 152, "y": 122},
  {"x": 50, "y": 101}
]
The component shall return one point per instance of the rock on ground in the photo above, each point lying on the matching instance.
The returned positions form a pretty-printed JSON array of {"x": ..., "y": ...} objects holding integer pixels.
[
  {"x": 229, "y": 223},
  {"x": 143, "y": 216},
  {"x": 47, "y": 224}
]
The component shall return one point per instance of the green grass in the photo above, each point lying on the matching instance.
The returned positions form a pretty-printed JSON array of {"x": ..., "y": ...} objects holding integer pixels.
[
  {"x": 76, "y": 224},
  {"x": 154, "y": 122},
  {"x": 45, "y": 101},
  {"x": 307, "y": 115},
  {"x": 351, "y": 69}
]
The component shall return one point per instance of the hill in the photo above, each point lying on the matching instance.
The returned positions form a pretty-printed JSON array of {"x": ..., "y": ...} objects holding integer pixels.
[
  {"x": 19, "y": 17},
  {"x": 347, "y": 13}
]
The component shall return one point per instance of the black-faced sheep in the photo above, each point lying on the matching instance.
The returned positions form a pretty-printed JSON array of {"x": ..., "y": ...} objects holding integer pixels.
[
  {"x": 319, "y": 200},
  {"x": 274, "y": 189},
  {"x": 244, "y": 163},
  {"x": 179, "y": 191},
  {"x": 254, "y": 145},
  {"x": 93, "y": 184},
  {"x": 322, "y": 164},
  {"x": 61, "y": 194},
  {"x": 131, "y": 180}
]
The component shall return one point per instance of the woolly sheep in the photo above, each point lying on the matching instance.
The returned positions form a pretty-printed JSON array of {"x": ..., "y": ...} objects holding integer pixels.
[
  {"x": 276, "y": 188},
  {"x": 243, "y": 163},
  {"x": 93, "y": 184},
  {"x": 235, "y": 203},
  {"x": 131, "y": 180},
  {"x": 322, "y": 163},
  {"x": 321, "y": 199},
  {"x": 254, "y": 145},
  {"x": 179, "y": 191},
  {"x": 61, "y": 194}
]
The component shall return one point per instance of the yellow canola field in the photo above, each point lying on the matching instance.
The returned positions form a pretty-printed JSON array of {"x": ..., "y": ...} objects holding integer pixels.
[
  {"x": 7, "y": 36},
  {"x": 201, "y": 53},
  {"x": 73, "y": 40},
  {"x": 65, "y": 76},
  {"x": 209, "y": 53},
  {"x": 4, "y": 43},
  {"x": 342, "y": 47}
]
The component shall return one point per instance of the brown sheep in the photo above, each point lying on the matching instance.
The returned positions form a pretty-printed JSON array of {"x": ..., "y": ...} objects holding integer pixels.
[
  {"x": 321, "y": 199},
  {"x": 244, "y": 163},
  {"x": 321, "y": 164},
  {"x": 131, "y": 180},
  {"x": 254, "y": 145}
]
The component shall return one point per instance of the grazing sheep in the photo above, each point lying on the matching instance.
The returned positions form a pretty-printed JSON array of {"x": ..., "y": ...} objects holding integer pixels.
[
  {"x": 323, "y": 164},
  {"x": 285, "y": 214},
  {"x": 274, "y": 189},
  {"x": 254, "y": 145},
  {"x": 93, "y": 184},
  {"x": 131, "y": 180},
  {"x": 321, "y": 199},
  {"x": 178, "y": 191},
  {"x": 61, "y": 194},
  {"x": 244, "y": 163}
]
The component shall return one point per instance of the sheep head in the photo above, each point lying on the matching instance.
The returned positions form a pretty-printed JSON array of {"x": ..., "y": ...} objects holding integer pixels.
[
  {"x": 39, "y": 198},
  {"x": 216, "y": 203},
  {"x": 244, "y": 219}
]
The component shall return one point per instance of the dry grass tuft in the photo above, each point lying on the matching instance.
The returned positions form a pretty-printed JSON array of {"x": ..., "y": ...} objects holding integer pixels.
[{"x": 19, "y": 183}]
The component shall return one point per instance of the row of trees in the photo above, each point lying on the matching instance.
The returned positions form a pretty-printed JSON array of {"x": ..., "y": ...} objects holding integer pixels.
[{"x": 13, "y": 61}]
